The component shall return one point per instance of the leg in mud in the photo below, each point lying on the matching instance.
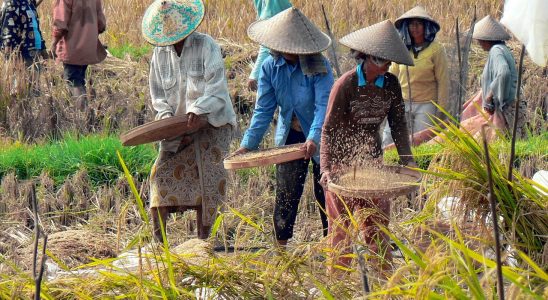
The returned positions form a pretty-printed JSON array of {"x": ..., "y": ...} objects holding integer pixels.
[
  {"x": 159, "y": 214},
  {"x": 376, "y": 240}
]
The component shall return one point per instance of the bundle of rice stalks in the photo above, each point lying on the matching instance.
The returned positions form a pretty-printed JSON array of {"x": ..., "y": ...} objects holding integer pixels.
[{"x": 460, "y": 170}]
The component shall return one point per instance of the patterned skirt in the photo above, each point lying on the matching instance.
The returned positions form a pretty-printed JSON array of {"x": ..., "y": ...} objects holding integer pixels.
[{"x": 194, "y": 176}]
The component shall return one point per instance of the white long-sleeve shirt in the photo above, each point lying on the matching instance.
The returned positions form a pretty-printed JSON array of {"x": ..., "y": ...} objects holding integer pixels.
[{"x": 193, "y": 82}]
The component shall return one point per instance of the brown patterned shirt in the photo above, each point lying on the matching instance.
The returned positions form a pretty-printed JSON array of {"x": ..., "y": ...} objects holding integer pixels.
[{"x": 350, "y": 134}]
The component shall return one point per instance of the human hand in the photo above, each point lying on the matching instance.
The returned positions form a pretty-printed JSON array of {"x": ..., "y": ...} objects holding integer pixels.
[
  {"x": 252, "y": 85},
  {"x": 488, "y": 105},
  {"x": 241, "y": 150},
  {"x": 310, "y": 149},
  {"x": 192, "y": 119},
  {"x": 326, "y": 178}
]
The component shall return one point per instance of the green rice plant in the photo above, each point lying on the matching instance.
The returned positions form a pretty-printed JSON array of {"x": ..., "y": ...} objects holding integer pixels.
[
  {"x": 460, "y": 170},
  {"x": 62, "y": 158}
]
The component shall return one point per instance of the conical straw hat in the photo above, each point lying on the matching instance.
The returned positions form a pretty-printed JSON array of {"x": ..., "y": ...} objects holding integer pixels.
[
  {"x": 488, "y": 29},
  {"x": 417, "y": 12},
  {"x": 380, "y": 40},
  {"x": 167, "y": 22},
  {"x": 289, "y": 32}
]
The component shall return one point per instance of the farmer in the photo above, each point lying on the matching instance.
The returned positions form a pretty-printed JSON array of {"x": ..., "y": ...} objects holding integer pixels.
[
  {"x": 21, "y": 36},
  {"x": 76, "y": 28},
  {"x": 187, "y": 77},
  {"x": 428, "y": 79},
  {"x": 265, "y": 9},
  {"x": 359, "y": 102},
  {"x": 21, "y": 30},
  {"x": 296, "y": 79},
  {"x": 499, "y": 78}
]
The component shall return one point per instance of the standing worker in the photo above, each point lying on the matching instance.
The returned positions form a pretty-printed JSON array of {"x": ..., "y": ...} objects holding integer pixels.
[
  {"x": 76, "y": 28},
  {"x": 359, "y": 102},
  {"x": 21, "y": 36},
  {"x": 427, "y": 82},
  {"x": 187, "y": 77},
  {"x": 500, "y": 76},
  {"x": 297, "y": 80},
  {"x": 265, "y": 9}
]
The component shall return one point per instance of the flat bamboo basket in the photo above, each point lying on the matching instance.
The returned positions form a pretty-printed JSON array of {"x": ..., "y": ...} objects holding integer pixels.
[
  {"x": 365, "y": 192},
  {"x": 264, "y": 157},
  {"x": 158, "y": 130}
]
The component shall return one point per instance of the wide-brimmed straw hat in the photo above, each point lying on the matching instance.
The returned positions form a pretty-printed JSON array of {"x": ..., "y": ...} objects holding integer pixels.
[
  {"x": 417, "y": 12},
  {"x": 488, "y": 29},
  {"x": 167, "y": 22},
  {"x": 289, "y": 32},
  {"x": 380, "y": 40}
]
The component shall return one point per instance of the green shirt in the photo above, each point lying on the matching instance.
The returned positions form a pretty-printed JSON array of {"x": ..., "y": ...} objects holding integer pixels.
[{"x": 269, "y": 8}]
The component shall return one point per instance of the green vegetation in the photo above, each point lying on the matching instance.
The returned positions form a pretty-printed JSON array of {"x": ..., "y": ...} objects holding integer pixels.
[
  {"x": 534, "y": 146},
  {"x": 96, "y": 154},
  {"x": 135, "y": 53}
]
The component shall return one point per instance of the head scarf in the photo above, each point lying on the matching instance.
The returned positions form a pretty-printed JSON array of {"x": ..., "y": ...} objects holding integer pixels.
[{"x": 430, "y": 31}]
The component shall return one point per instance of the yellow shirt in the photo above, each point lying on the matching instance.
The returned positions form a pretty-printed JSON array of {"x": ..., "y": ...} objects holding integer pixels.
[{"x": 429, "y": 76}]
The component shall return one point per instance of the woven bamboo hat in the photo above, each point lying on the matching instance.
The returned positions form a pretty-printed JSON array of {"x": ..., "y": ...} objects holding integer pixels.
[
  {"x": 167, "y": 22},
  {"x": 417, "y": 12},
  {"x": 289, "y": 32},
  {"x": 488, "y": 29},
  {"x": 380, "y": 40}
]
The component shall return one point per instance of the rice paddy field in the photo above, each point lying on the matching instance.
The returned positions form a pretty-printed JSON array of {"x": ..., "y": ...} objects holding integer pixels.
[{"x": 92, "y": 193}]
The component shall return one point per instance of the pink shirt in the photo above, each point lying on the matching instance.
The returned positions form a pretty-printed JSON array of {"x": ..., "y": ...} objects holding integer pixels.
[{"x": 78, "y": 23}]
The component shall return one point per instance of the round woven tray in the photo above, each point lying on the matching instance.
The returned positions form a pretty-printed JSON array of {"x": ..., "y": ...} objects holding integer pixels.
[
  {"x": 154, "y": 131},
  {"x": 264, "y": 157},
  {"x": 388, "y": 192}
]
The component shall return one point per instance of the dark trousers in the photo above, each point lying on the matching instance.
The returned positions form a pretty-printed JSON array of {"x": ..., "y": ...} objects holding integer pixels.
[
  {"x": 75, "y": 75},
  {"x": 290, "y": 179}
]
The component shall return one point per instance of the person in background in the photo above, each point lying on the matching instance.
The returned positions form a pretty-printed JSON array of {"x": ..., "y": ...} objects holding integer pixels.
[
  {"x": 359, "y": 102},
  {"x": 428, "y": 78},
  {"x": 76, "y": 28},
  {"x": 500, "y": 76},
  {"x": 21, "y": 35},
  {"x": 187, "y": 77},
  {"x": 296, "y": 80},
  {"x": 265, "y": 9}
]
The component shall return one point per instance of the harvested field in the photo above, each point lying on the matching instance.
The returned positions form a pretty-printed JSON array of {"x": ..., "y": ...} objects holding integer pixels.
[{"x": 92, "y": 213}]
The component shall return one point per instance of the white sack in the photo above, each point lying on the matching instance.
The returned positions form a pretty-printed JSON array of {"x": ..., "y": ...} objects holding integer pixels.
[{"x": 528, "y": 21}]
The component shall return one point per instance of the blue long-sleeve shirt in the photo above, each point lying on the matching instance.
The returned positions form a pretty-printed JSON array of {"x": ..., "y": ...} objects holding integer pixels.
[{"x": 284, "y": 86}]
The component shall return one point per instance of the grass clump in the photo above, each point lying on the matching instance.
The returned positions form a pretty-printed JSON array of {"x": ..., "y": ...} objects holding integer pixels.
[
  {"x": 134, "y": 53},
  {"x": 96, "y": 154}
]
